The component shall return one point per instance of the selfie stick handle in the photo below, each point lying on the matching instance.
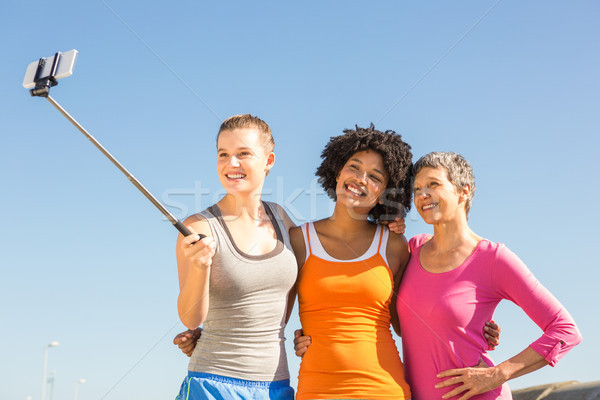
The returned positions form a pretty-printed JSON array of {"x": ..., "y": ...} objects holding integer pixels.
[{"x": 176, "y": 223}]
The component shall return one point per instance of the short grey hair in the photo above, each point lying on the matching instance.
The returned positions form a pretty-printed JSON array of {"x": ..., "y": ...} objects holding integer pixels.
[{"x": 460, "y": 172}]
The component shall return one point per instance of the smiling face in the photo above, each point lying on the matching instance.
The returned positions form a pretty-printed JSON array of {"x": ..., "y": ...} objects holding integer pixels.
[
  {"x": 362, "y": 180},
  {"x": 242, "y": 161},
  {"x": 436, "y": 198}
]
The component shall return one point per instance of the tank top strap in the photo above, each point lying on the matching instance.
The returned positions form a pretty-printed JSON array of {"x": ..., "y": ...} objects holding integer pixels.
[
  {"x": 380, "y": 233},
  {"x": 278, "y": 223},
  {"x": 308, "y": 238},
  {"x": 218, "y": 234},
  {"x": 211, "y": 216},
  {"x": 315, "y": 247},
  {"x": 383, "y": 242},
  {"x": 305, "y": 229}
]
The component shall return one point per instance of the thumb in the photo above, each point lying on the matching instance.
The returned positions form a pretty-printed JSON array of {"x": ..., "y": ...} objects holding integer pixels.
[
  {"x": 193, "y": 233},
  {"x": 298, "y": 333}
]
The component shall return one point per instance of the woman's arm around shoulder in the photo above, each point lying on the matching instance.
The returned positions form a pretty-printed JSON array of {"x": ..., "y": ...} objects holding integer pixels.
[
  {"x": 194, "y": 259},
  {"x": 297, "y": 241},
  {"x": 398, "y": 254},
  {"x": 289, "y": 225}
]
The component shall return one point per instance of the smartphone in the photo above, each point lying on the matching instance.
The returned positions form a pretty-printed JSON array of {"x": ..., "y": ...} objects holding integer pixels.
[{"x": 64, "y": 68}]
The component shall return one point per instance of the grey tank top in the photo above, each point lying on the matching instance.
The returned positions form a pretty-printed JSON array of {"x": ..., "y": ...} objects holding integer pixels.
[{"x": 243, "y": 334}]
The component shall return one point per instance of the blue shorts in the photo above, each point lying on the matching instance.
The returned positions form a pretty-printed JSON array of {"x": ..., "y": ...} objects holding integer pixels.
[{"x": 201, "y": 386}]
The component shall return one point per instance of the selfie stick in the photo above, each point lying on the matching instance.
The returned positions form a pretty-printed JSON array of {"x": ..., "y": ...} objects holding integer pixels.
[{"x": 42, "y": 89}]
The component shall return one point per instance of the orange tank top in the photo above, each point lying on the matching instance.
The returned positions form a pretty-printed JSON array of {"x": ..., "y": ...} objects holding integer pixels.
[{"x": 344, "y": 309}]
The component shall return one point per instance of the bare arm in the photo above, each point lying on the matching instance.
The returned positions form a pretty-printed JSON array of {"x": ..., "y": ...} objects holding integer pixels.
[
  {"x": 398, "y": 255},
  {"x": 301, "y": 342},
  {"x": 290, "y": 303},
  {"x": 289, "y": 225},
  {"x": 297, "y": 241},
  {"x": 393, "y": 309},
  {"x": 194, "y": 258},
  {"x": 523, "y": 363}
]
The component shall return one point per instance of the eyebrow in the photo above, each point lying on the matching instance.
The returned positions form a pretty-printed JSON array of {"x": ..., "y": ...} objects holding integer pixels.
[
  {"x": 374, "y": 169},
  {"x": 429, "y": 179},
  {"x": 238, "y": 149}
]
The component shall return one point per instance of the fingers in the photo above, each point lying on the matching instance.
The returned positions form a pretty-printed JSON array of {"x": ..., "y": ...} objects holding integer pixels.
[
  {"x": 451, "y": 382},
  {"x": 188, "y": 347},
  {"x": 397, "y": 226},
  {"x": 198, "y": 251},
  {"x": 471, "y": 381},
  {"x": 181, "y": 337},
  {"x": 190, "y": 239},
  {"x": 458, "y": 390},
  {"x": 492, "y": 334},
  {"x": 467, "y": 389},
  {"x": 493, "y": 328},
  {"x": 450, "y": 372},
  {"x": 301, "y": 342},
  {"x": 492, "y": 341},
  {"x": 301, "y": 348},
  {"x": 186, "y": 341}
]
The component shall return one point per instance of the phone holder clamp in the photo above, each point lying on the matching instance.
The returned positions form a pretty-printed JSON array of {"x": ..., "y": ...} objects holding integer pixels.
[{"x": 43, "y": 85}]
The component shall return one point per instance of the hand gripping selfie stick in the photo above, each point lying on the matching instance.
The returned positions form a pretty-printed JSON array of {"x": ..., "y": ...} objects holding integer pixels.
[{"x": 42, "y": 75}]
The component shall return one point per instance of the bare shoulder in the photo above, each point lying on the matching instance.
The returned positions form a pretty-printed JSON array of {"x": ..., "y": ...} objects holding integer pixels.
[
  {"x": 289, "y": 224},
  {"x": 397, "y": 240}
]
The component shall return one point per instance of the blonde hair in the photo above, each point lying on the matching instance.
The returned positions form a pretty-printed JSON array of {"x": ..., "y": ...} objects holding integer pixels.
[{"x": 250, "y": 121}]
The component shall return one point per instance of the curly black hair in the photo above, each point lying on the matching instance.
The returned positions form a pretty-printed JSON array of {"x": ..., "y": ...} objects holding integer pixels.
[{"x": 397, "y": 160}]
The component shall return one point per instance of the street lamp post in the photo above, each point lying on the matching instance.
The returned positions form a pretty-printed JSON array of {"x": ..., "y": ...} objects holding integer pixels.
[
  {"x": 77, "y": 387},
  {"x": 51, "y": 344},
  {"x": 51, "y": 382}
]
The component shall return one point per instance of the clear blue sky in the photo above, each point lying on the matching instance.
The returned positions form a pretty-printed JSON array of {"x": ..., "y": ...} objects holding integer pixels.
[{"x": 87, "y": 261}]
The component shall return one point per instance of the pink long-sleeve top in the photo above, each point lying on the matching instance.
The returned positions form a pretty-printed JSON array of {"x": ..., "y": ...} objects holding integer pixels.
[{"x": 442, "y": 315}]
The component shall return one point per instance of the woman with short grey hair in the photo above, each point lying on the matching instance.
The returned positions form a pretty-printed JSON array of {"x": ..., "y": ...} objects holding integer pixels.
[{"x": 452, "y": 285}]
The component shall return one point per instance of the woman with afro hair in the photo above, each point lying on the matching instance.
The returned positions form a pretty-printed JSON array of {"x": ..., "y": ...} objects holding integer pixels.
[{"x": 349, "y": 266}]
